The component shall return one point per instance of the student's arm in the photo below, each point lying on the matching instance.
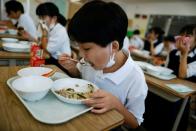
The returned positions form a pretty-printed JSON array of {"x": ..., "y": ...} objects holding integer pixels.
[
  {"x": 152, "y": 50},
  {"x": 44, "y": 40},
  {"x": 103, "y": 101},
  {"x": 184, "y": 49},
  {"x": 69, "y": 65},
  {"x": 183, "y": 66}
]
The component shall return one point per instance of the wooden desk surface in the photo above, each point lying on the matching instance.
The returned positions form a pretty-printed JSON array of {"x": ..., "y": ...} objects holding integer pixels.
[
  {"x": 161, "y": 84},
  {"x": 14, "y": 115}
]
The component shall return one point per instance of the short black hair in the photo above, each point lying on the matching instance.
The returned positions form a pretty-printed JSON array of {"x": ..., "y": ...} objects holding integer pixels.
[
  {"x": 169, "y": 38},
  {"x": 47, "y": 9},
  {"x": 50, "y": 9},
  {"x": 62, "y": 20},
  {"x": 99, "y": 22},
  {"x": 158, "y": 31},
  {"x": 136, "y": 32},
  {"x": 188, "y": 29},
  {"x": 13, "y": 5}
]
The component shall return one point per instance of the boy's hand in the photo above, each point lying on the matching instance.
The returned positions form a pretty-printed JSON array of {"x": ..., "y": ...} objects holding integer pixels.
[
  {"x": 66, "y": 61},
  {"x": 102, "y": 101}
]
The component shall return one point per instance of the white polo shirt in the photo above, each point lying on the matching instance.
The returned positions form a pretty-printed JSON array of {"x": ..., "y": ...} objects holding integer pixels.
[
  {"x": 127, "y": 83},
  {"x": 27, "y": 23},
  {"x": 58, "y": 41},
  {"x": 137, "y": 42}
]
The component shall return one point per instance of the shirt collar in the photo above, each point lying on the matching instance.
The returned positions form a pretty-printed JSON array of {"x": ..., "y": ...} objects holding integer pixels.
[
  {"x": 191, "y": 54},
  {"x": 119, "y": 75},
  {"x": 155, "y": 41}
]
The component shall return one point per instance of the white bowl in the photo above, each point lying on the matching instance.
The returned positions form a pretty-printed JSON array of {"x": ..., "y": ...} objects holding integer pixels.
[
  {"x": 12, "y": 31},
  {"x": 164, "y": 70},
  {"x": 9, "y": 40},
  {"x": 32, "y": 88},
  {"x": 29, "y": 71},
  {"x": 78, "y": 85},
  {"x": 15, "y": 47},
  {"x": 24, "y": 42}
]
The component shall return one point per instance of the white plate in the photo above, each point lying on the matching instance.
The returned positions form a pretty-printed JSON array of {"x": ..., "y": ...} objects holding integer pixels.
[
  {"x": 158, "y": 70},
  {"x": 15, "y": 47},
  {"x": 180, "y": 88},
  {"x": 33, "y": 71},
  {"x": 143, "y": 65},
  {"x": 164, "y": 70},
  {"x": 78, "y": 85},
  {"x": 58, "y": 75},
  {"x": 12, "y": 31},
  {"x": 9, "y": 39},
  {"x": 162, "y": 77},
  {"x": 24, "y": 42},
  {"x": 50, "y": 110}
]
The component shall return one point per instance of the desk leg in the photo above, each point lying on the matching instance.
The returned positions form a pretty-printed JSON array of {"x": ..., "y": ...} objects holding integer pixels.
[
  {"x": 12, "y": 62},
  {"x": 179, "y": 115}
]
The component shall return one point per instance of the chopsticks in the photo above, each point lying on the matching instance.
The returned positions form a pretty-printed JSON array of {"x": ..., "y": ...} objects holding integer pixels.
[{"x": 49, "y": 73}]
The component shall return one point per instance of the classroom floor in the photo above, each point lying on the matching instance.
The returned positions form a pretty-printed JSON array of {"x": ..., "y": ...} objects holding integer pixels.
[{"x": 192, "y": 124}]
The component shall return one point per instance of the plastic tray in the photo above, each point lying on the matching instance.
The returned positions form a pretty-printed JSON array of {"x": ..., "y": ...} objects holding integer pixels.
[
  {"x": 51, "y": 110},
  {"x": 162, "y": 77}
]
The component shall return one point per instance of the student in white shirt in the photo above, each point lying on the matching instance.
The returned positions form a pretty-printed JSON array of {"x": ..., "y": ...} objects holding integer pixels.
[
  {"x": 136, "y": 40},
  {"x": 100, "y": 28},
  {"x": 154, "y": 38},
  {"x": 54, "y": 38},
  {"x": 162, "y": 50},
  {"x": 15, "y": 11},
  {"x": 183, "y": 59}
]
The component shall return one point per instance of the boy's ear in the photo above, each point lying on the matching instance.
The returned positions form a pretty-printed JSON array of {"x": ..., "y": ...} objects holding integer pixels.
[{"x": 115, "y": 46}]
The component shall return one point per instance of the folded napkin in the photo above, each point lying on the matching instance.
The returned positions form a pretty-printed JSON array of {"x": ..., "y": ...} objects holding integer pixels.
[{"x": 180, "y": 88}]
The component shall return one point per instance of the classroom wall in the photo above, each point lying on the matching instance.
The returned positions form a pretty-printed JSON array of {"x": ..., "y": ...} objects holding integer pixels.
[
  {"x": 165, "y": 8},
  {"x": 161, "y": 7}
]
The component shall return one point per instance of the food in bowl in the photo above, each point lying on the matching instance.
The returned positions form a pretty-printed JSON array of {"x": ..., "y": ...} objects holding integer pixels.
[
  {"x": 72, "y": 90},
  {"x": 32, "y": 88},
  {"x": 72, "y": 94}
]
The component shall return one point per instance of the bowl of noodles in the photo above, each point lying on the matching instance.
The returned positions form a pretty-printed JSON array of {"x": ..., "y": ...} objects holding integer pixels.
[{"x": 72, "y": 90}]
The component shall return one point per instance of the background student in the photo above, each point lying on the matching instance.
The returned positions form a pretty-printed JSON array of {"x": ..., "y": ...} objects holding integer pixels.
[
  {"x": 154, "y": 38},
  {"x": 15, "y": 12},
  {"x": 54, "y": 37},
  {"x": 183, "y": 60}
]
